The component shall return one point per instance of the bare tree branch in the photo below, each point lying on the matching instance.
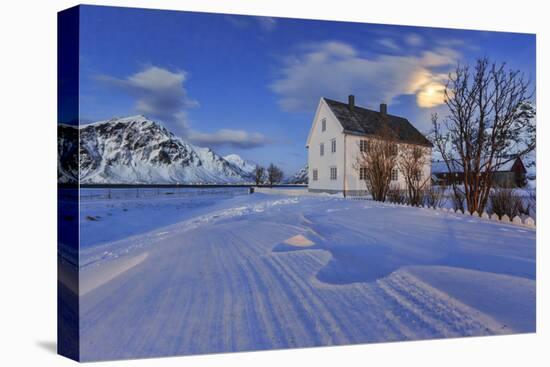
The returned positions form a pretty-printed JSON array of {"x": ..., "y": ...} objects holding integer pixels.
[{"x": 490, "y": 122}]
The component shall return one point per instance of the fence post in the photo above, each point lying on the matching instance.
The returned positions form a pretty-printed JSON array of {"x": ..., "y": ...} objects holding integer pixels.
[{"x": 529, "y": 222}]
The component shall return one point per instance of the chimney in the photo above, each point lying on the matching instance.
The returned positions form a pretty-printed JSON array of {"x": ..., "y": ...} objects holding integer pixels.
[
  {"x": 383, "y": 109},
  {"x": 351, "y": 101}
]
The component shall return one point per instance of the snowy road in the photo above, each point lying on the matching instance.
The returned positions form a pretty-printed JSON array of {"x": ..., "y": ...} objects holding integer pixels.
[{"x": 266, "y": 272}]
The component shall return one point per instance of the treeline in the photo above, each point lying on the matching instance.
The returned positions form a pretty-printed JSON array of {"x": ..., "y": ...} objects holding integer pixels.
[{"x": 270, "y": 175}]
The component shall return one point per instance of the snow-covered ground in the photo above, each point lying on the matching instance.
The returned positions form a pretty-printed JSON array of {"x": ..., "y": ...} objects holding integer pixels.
[
  {"x": 131, "y": 212},
  {"x": 265, "y": 271}
]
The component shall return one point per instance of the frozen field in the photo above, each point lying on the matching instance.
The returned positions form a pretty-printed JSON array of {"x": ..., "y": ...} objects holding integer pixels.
[
  {"x": 114, "y": 214},
  {"x": 258, "y": 271}
]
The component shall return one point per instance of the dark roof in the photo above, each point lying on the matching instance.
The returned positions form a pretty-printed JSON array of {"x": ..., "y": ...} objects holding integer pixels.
[
  {"x": 361, "y": 121},
  {"x": 441, "y": 167},
  {"x": 507, "y": 165}
]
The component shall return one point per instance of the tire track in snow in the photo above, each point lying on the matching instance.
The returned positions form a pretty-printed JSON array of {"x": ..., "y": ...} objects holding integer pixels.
[
  {"x": 325, "y": 322},
  {"x": 446, "y": 316}
]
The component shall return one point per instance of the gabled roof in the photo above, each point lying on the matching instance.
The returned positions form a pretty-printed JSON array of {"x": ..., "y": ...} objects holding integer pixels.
[{"x": 361, "y": 121}]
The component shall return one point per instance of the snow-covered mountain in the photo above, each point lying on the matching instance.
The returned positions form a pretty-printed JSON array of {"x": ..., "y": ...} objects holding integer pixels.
[
  {"x": 300, "y": 177},
  {"x": 246, "y": 166},
  {"x": 138, "y": 150},
  {"x": 67, "y": 154}
]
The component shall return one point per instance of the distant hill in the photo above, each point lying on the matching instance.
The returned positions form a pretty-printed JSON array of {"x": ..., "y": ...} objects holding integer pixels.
[
  {"x": 246, "y": 166},
  {"x": 135, "y": 149},
  {"x": 300, "y": 177}
]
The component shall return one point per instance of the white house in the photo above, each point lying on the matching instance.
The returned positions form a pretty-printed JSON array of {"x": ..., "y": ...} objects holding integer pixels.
[{"x": 339, "y": 132}]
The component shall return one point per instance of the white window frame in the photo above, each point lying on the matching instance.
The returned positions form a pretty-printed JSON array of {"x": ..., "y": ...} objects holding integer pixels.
[
  {"x": 364, "y": 146},
  {"x": 362, "y": 173},
  {"x": 333, "y": 177},
  {"x": 394, "y": 174},
  {"x": 333, "y": 145}
]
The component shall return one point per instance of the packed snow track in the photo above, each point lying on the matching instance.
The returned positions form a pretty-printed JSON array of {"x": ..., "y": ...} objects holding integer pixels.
[{"x": 260, "y": 272}]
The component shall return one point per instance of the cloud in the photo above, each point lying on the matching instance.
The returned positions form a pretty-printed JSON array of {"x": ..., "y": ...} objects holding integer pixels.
[
  {"x": 413, "y": 39},
  {"x": 336, "y": 69},
  {"x": 159, "y": 93},
  {"x": 431, "y": 95},
  {"x": 388, "y": 43},
  {"x": 451, "y": 42},
  {"x": 267, "y": 24},
  {"x": 227, "y": 137}
]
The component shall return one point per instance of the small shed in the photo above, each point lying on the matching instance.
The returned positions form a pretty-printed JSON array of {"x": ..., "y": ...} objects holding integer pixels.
[{"x": 512, "y": 173}]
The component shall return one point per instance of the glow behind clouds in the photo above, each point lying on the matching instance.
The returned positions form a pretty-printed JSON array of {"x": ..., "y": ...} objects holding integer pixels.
[{"x": 338, "y": 69}]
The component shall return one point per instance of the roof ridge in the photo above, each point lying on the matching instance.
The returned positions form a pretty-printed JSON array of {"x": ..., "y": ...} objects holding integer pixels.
[
  {"x": 364, "y": 108},
  {"x": 364, "y": 121}
]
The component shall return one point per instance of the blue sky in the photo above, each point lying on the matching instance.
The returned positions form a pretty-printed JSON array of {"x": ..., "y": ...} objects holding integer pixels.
[{"x": 250, "y": 85}]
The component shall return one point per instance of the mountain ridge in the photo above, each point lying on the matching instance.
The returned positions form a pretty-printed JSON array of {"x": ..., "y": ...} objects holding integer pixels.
[{"x": 138, "y": 150}]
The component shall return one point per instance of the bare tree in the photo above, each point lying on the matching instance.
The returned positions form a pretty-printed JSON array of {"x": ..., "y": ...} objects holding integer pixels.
[
  {"x": 274, "y": 174},
  {"x": 396, "y": 195},
  {"x": 507, "y": 201},
  {"x": 435, "y": 196},
  {"x": 375, "y": 163},
  {"x": 457, "y": 198},
  {"x": 490, "y": 122},
  {"x": 259, "y": 175},
  {"x": 411, "y": 162}
]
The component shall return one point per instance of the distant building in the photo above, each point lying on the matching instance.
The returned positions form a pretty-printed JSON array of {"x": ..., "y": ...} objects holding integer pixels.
[
  {"x": 512, "y": 173},
  {"x": 340, "y": 132}
]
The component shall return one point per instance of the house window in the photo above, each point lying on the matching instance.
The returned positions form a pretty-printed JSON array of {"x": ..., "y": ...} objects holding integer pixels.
[
  {"x": 394, "y": 175},
  {"x": 322, "y": 149},
  {"x": 333, "y": 145},
  {"x": 393, "y": 149},
  {"x": 362, "y": 173},
  {"x": 364, "y": 146},
  {"x": 324, "y": 124},
  {"x": 315, "y": 175},
  {"x": 333, "y": 173}
]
